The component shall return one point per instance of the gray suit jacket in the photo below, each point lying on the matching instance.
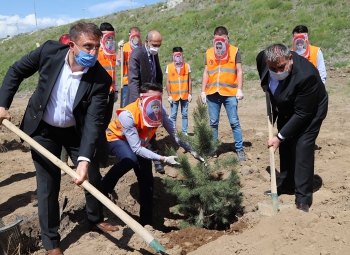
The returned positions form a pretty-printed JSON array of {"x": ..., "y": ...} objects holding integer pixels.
[
  {"x": 90, "y": 101},
  {"x": 140, "y": 72}
]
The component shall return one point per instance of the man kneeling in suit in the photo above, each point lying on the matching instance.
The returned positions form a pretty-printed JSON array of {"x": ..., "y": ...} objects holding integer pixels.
[
  {"x": 300, "y": 102},
  {"x": 67, "y": 109}
]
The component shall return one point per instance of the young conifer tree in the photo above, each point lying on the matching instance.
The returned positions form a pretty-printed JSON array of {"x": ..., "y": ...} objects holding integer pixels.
[{"x": 203, "y": 196}]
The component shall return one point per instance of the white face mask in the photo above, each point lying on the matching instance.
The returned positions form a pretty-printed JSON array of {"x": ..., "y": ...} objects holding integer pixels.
[
  {"x": 279, "y": 76},
  {"x": 153, "y": 50}
]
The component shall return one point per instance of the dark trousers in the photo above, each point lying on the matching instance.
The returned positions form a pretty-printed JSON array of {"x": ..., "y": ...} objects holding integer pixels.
[
  {"x": 297, "y": 158},
  {"x": 143, "y": 170},
  {"x": 49, "y": 178}
]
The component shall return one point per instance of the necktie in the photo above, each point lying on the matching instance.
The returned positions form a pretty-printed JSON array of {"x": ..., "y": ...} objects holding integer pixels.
[
  {"x": 153, "y": 68},
  {"x": 278, "y": 89}
]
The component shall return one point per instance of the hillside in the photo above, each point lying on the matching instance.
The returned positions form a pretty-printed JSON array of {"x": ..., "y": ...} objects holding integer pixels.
[{"x": 252, "y": 25}]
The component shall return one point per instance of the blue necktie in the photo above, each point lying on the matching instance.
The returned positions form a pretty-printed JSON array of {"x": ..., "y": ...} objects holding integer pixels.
[
  {"x": 153, "y": 69},
  {"x": 278, "y": 89}
]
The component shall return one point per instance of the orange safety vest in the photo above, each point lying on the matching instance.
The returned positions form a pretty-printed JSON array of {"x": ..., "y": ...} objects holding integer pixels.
[
  {"x": 178, "y": 82},
  {"x": 222, "y": 73},
  {"x": 115, "y": 128},
  {"x": 108, "y": 62},
  {"x": 313, "y": 55},
  {"x": 127, "y": 52}
]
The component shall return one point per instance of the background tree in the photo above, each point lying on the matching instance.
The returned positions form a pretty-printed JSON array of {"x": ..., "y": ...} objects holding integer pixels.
[{"x": 204, "y": 197}]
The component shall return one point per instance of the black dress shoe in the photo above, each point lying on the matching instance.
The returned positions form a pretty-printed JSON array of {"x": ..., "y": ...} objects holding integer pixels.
[
  {"x": 302, "y": 206},
  {"x": 281, "y": 190}
]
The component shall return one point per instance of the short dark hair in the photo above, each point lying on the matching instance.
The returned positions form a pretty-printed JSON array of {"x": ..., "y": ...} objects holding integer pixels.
[
  {"x": 145, "y": 87},
  {"x": 177, "y": 49},
  {"x": 300, "y": 29},
  {"x": 80, "y": 28},
  {"x": 105, "y": 26},
  {"x": 220, "y": 30},
  {"x": 134, "y": 28}
]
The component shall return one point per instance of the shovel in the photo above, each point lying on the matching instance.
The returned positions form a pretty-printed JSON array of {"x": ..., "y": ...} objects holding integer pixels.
[
  {"x": 121, "y": 75},
  {"x": 134, "y": 225},
  {"x": 273, "y": 208}
]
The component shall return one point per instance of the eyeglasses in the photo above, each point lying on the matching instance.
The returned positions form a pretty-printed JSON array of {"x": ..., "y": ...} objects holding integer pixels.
[
  {"x": 219, "y": 48},
  {"x": 88, "y": 47}
]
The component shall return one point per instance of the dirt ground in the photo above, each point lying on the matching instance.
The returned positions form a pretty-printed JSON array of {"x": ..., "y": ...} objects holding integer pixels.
[{"x": 324, "y": 230}]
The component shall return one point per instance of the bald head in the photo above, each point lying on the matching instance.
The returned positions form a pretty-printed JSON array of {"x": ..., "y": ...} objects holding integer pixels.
[{"x": 154, "y": 39}]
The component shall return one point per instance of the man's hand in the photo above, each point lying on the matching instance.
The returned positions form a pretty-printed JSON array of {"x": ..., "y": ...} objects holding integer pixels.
[
  {"x": 239, "y": 94},
  {"x": 189, "y": 98},
  {"x": 82, "y": 170},
  {"x": 203, "y": 97},
  {"x": 274, "y": 142},
  {"x": 170, "y": 99},
  {"x": 4, "y": 114},
  {"x": 121, "y": 43},
  {"x": 171, "y": 160}
]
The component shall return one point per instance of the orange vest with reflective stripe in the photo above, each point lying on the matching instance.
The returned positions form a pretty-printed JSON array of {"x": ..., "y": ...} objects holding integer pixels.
[
  {"x": 115, "y": 128},
  {"x": 313, "y": 55},
  {"x": 108, "y": 62},
  {"x": 178, "y": 82},
  {"x": 222, "y": 73},
  {"x": 127, "y": 52}
]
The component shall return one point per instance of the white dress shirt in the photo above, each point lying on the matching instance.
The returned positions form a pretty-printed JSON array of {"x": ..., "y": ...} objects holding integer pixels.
[{"x": 59, "y": 109}]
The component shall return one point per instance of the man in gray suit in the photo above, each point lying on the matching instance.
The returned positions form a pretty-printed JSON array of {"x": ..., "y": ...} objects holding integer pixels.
[
  {"x": 144, "y": 67},
  {"x": 66, "y": 109}
]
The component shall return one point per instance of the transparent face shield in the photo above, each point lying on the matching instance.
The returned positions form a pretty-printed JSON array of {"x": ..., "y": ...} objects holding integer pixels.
[
  {"x": 151, "y": 108},
  {"x": 301, "y": 45},
  {"x": 108, "y": 42},
  {"x": 135, "y": 40},
  {"x": 221, "y": 47},
  {"x": 178, "y": 59}
]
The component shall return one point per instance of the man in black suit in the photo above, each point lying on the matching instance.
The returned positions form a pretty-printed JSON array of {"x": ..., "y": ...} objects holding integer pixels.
[
  {"x": 144, "y": 67},
  {"x": 300, "y": 103},
  {"x": 66, "y": 109}
]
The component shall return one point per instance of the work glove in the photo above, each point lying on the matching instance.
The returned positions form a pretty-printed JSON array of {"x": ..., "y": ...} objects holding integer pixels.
[
  {"x": 170, "y": 99},
  {"x": 204, "y": 97},
  {"x": 121, "y": 43},
  {"x": 115, "y": 96},
  {"x": 189, "y": 98},
  {"x": 171, "y": 160},
  {"x": 197, "y": 156},
  {"x": 239, "y": 94}
]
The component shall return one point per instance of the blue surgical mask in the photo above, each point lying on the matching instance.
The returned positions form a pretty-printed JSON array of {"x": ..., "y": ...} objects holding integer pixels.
[{"x": 84, "y": 59}]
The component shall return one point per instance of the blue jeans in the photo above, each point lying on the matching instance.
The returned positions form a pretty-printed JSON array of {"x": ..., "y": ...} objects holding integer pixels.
[
  {"x": 125, "y": 90},
  {"x": 214, "y": 102},
  {"x": 143, "y": 170},
  {"x": 184, "y": 109}
]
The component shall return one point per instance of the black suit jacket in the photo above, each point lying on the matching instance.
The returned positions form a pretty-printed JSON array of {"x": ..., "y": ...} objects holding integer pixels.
[
  {"x": 304, "y": 100},
  {"x": 140, "y": 72},
  {"x": 90, "y": 101}
]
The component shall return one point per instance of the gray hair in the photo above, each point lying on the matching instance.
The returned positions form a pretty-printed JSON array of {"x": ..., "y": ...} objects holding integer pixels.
[{"x": 276, "y": 51}]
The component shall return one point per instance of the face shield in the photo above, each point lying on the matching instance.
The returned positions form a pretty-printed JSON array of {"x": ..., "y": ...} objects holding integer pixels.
[
  {"x": 301, "y": 45},
  {"x": 151, "y": 108},
  {"x": 108, "y": 42},
  {"x": 135, "y": 40},
  {"x": 178, "y": 59},
  {"x": 221, "y": 47}
]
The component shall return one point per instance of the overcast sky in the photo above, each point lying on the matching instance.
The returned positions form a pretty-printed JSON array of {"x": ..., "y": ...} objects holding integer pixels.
[{"x": 19, "y": 16}]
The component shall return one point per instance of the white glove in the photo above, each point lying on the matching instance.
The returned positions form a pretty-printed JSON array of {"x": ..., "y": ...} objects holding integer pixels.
[
  {"x": 121, "y": 43},
  {"x": 170, "y": 99},
  {"x": 171, "y": 160},
  {"x": 115, "y": 96},
  {"x": 189, "y": 98},
  {"x": 204, "y": 97},
  {"x": 239, "y": 94},
  {"x": 197, "y": 156}
]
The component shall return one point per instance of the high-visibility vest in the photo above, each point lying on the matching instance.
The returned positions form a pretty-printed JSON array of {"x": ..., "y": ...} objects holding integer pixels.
[
  {"x": 178, "y": 82},
  {"x": 313, "y": 55},
  {"x": 127, "y": 52},
  {"x": 108, "y": 62},
  {"x": 115, "y": 128},
  {"x": 222, "y": 73}
]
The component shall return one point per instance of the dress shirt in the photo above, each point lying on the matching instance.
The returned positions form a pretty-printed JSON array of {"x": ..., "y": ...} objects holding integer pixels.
[
  {"x": 59, "y": 109},
  {"x": 273, "y": 84},
  {"x": 321, "y": 66}
]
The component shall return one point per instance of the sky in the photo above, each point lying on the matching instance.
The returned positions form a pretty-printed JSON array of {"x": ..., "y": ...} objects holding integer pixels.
[{"x": 23, "y": 16}]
